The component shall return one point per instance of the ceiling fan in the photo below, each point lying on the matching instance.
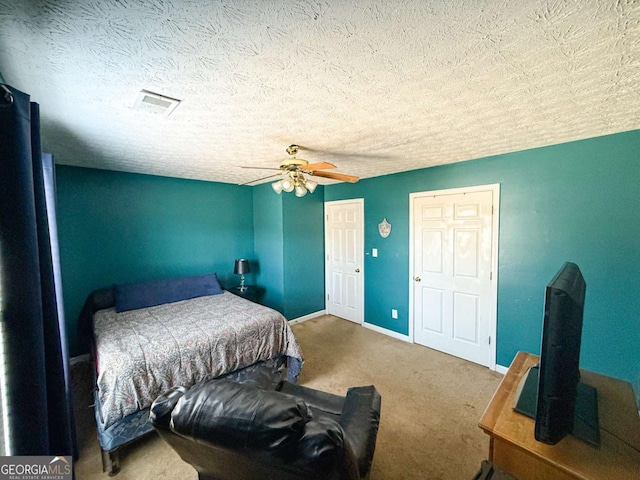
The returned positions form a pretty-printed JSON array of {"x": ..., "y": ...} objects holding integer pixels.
[{"x": 293, "y": 171}]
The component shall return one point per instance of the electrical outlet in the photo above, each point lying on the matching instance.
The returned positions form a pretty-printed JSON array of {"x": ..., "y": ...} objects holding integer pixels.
[{"x": 394, "y": 313}]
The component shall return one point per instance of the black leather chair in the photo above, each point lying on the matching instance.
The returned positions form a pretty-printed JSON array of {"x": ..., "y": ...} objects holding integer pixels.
[{"x": 253, "y": 426}]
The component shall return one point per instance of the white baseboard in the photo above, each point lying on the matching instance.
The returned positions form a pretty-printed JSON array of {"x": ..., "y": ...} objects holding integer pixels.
[
  {"x": 399, "y": 336},
  {"x": 385, "y": 331},
  {"x": 407, "y": 338},
  {"x": 310, "y": 316}
]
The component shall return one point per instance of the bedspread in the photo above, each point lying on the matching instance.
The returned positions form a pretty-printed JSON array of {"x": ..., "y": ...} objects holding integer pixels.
[{"x": 142, "y": 353}]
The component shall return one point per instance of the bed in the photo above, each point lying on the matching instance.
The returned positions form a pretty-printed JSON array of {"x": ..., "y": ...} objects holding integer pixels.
[{"x": 149, "y": 337}]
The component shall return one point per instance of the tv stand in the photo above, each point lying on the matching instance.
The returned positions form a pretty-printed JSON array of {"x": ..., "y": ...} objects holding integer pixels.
[
  {"x": 585, "y": 420},
  {"x": 513, "y": 448}
]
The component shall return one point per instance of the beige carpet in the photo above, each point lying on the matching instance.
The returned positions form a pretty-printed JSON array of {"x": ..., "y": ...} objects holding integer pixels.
[{"x": 431, "y": 404}]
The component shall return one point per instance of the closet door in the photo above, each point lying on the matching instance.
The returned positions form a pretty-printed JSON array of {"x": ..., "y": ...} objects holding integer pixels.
[{"x": 452, "y": 273}]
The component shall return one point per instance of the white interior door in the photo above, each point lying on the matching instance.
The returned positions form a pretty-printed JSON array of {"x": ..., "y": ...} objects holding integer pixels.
[
  {"x": 452, "y": 262},
  {"x": 344, "y": 247}
]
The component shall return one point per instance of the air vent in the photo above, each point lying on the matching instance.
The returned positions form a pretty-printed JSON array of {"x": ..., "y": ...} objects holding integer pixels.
[{"x": 155, "y": 103}]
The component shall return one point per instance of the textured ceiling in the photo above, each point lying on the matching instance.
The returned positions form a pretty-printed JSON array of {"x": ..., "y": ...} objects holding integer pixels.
[{"x": 374, "y": 87}]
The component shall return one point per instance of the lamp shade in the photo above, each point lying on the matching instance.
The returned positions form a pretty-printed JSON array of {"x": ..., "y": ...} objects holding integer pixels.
[
  {"x": 311, "y": 185},
  {"x": 287, "y": 185},
  {"x": 277, "y": 187},
  {"x": 301, "y": 191},
  {"x": 241, "y": 266}
]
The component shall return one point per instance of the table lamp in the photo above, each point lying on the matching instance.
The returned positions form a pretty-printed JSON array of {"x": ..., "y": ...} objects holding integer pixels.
[{"x": 241, "y": 267}]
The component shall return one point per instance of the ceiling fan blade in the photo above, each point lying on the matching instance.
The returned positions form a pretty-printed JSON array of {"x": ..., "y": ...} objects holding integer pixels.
[
  {"x": 337, "y": 176},
  {"x": 320, "y": 152},
  {"x": 257, "y": 180},
  {"x": 260, "y": 168},
  {"x": 318, "y": 166}
]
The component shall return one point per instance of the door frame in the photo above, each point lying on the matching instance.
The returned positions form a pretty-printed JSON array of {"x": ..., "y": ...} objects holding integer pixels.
[
  {"x": 327, "y": 279},
  {"x": 495, "y": 237}
]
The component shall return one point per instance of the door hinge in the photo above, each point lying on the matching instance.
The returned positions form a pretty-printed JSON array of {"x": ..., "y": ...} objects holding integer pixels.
[
  {"x": 489, "y": 340},
  {"x": 490, "y": 275},
  {"x": 327, "y": 296}
]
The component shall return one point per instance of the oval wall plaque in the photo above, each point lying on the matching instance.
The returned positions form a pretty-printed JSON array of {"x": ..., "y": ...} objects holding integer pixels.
[{"x": 384, "y": 228}]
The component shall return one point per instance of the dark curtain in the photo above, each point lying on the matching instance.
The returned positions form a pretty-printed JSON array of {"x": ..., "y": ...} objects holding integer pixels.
[{"x": 36, "y": 387}]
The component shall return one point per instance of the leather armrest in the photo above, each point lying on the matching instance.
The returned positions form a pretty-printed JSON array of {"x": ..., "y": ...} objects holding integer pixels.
[
  {"x": 360, "y": 420},
  {"x": 327, "y": 402},
  {"x": 161, "y": 408},
  {"x": 225, "y": 414}
]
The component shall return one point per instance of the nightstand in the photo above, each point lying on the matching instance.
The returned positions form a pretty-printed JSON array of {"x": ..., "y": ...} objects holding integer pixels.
[{"x": 250, "y": 292}]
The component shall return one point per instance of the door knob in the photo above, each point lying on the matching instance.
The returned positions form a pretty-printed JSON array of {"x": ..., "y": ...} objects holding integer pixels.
[
  {"x": 418, "y": 279},
  {"x": 357, "y": 270}
]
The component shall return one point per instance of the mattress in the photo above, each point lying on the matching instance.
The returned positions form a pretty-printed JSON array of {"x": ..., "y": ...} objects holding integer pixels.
[{"x": 141, "y": 353}]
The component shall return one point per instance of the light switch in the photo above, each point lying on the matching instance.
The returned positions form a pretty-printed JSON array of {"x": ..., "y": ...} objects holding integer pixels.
[{"x": 374, "y": 252}]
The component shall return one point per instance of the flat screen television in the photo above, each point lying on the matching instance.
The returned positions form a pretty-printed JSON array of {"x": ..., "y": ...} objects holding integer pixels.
[{"x": 551, "y": 392}]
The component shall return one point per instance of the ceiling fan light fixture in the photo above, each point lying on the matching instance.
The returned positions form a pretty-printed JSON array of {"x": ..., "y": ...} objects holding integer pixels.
[
  {"x": 301, "y": 190},
  {"x": 294, "y": 171},
  {"x": 311, "y": 185},
  {"x": 287, "y": 185},
  {"x": 277, "y": 187}
]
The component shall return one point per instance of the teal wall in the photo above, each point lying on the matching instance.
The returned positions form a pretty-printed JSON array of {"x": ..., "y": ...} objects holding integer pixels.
[
  {"x": 289, "y": 246},
  {"x": 269, "y": 244},
  {"x": 303, "y": 233},
  {"x": 120, "y": 227},
  {"x": 117, "y": 227},
  {"x": 577, "y": 202}
]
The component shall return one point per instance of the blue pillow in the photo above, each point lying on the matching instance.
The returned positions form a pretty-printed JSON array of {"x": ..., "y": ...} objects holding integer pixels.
[{"x": 157, "y": 292}]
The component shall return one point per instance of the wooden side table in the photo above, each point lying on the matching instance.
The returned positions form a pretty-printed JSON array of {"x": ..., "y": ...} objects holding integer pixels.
[
  {"x": 250, "y": 292},
  {"x": 514, "y": 449}
]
